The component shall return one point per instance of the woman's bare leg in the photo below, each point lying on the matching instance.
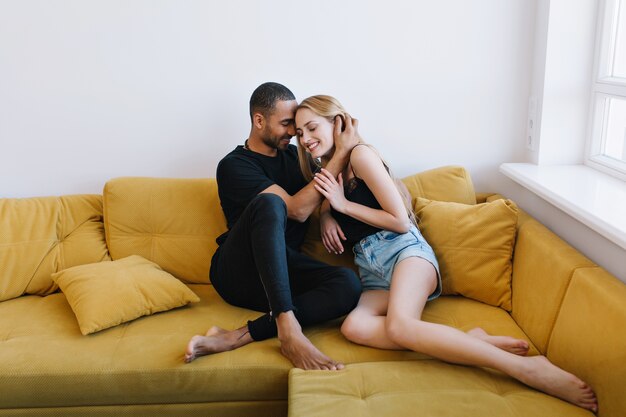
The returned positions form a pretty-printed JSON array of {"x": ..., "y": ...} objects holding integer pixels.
[
  {"x": 365, "y": 324},
  {"x": 413, "y": 280},
  {"x": 510, "y": 344}
]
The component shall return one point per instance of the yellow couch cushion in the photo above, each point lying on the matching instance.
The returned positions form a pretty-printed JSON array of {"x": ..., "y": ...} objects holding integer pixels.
[
  {"x": 543, "y": 265},
  {"x": 449, "y": 183},
  {"x": 105, "y": 294},
  {"x": 418, "y": 388},
  {"x": 474, "y": 245},
  {"x": 173, "y": 222},
  {"x": 589, "y": 338},
  {"x": 39, "y": 236},
  {"x": 141, "y": 361},
  {"x": 45, "y": 360}
]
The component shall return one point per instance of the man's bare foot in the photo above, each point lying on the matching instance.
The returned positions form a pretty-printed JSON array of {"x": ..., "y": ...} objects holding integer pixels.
[
  {"x": 304, "y": 355},
  {"x": 216, "y": 340},
  {"x": 510, "y": 344},
  {"x": 543, "y": 375},
  {"x": 298, "y": 349}
]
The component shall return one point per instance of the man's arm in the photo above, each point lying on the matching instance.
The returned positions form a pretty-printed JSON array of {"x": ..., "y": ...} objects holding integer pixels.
[{"x": 301, "y": 205}]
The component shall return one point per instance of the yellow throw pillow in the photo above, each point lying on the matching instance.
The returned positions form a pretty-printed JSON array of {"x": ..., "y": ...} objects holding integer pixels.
[
  {"x": 105, "y": 294},
  {"x": 449, "y": 183},
  {"x": 474, "y": 245}
]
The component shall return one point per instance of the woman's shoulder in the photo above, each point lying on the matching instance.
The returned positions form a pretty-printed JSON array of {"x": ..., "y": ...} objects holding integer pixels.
[
  {"x": 364, "y": 156},
  {"x": 363, "y": 151}
]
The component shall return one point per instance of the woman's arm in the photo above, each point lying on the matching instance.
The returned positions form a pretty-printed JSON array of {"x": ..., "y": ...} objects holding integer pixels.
[
  {"x": 331, "y": 232},
  {"x": 366, "y": 162}
]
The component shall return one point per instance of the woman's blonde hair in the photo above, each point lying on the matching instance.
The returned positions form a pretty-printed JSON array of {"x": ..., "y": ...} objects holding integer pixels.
[
  {"x": 329, "y": 108},
  {"x": 324, "y": 106}
]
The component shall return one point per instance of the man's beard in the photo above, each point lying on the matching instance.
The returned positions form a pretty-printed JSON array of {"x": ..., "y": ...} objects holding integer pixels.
[{"x": 275, "y": 142}]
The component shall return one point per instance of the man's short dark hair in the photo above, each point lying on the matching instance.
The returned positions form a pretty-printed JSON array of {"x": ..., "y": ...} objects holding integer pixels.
[{"x": 264, "y": 98}]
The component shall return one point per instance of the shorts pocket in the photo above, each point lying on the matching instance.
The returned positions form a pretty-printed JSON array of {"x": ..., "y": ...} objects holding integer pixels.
[{"x": 388, "y": 235}]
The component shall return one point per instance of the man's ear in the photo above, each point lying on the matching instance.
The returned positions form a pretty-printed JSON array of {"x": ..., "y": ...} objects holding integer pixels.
[{"x": 258, "y": 120}]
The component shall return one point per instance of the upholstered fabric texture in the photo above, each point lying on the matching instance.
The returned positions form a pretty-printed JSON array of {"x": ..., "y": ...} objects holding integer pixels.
[
  {"x": 594, "y": 307},
  {"x": 543, "y": 266},
  {"x": 449, "y": 183},
  {"x": 474, "y": 245},
  {"x": 418, "y": 388},
  {"x": 173, "y": 222},
  {"x": 105, "y": 294},
  {"x": 141, "y": 361},
  {"x": 40, "y": 236}
]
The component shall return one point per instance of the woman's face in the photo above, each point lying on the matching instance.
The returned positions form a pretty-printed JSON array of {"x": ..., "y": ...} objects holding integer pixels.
[{"x": 315, "y": 133}]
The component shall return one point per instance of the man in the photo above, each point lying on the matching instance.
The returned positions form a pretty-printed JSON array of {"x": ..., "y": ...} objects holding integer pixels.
[{"x": 257, "y": 265}]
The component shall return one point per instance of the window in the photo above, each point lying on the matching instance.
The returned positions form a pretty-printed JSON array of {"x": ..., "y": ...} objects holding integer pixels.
[{"x": 607, "y": 144}]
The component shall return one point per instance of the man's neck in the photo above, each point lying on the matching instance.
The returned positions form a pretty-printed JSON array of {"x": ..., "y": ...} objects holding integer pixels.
[{"x": 257, "y": 145}]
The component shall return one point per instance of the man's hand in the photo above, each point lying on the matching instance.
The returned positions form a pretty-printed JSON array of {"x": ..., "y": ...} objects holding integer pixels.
[{"x": 345, "y": 134}]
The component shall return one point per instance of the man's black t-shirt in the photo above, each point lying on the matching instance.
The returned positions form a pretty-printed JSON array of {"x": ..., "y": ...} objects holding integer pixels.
[{"x": 243, "y": 174}]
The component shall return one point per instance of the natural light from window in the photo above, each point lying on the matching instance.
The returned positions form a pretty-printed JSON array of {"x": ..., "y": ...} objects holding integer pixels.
[
  {"x": 608, "y": 132},
  {"x": 619, "y": 61},
  {"x": 615, "y": 130}
]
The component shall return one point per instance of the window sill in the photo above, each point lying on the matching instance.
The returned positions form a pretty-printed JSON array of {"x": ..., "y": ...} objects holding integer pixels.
[{"x": 595, "y": 199}]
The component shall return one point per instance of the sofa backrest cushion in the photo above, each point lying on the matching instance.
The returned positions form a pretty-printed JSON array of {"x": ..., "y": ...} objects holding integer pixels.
[
  {"x": 171, "y": 221},
  {"x": 589, "y": 338},
  {"x": 43, "y": 235},
  {"x": 448, "y": 183},
  {"x": 543, "y": 266}
]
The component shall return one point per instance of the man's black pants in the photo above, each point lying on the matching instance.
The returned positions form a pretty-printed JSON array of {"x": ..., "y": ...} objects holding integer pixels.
[{"x": 255, "y": 269}]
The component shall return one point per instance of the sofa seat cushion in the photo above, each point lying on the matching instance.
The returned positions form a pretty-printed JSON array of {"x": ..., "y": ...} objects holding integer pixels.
[
  {"x": 418, "y": 388},
  {"x": 46, "y": 362}
]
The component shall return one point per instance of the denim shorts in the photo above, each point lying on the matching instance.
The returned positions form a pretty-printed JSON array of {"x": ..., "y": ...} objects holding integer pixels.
[{"x": 377, "y": 255}]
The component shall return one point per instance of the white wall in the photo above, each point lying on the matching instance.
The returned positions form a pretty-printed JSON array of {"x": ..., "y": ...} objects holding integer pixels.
[{"x": 95, "y": 89}]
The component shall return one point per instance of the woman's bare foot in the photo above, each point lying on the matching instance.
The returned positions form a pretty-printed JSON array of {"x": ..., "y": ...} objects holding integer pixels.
[
  {"x": 510, "y": 344},
  {"x": 216, "y": 340},
  {"x": 543, "y": 375}
]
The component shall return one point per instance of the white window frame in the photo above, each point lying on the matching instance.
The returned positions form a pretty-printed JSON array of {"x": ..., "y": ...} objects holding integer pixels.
[{"x": 603, "y": 87}]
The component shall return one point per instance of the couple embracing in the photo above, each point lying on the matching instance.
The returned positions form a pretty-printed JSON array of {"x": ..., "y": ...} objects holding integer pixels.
[{"x": 269, "y": 188}]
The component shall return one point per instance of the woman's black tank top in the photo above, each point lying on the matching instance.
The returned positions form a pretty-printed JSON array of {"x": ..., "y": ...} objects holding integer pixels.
[{"x": 356, "y": 191}]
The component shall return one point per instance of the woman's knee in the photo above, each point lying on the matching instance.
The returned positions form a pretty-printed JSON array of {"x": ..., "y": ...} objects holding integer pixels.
[
  {"x": 401, "y": 330},
  {"x": 354, "y": 329}
]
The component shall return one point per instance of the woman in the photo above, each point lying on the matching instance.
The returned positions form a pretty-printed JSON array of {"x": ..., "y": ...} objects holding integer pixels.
[{"x": 398, "y": 269}]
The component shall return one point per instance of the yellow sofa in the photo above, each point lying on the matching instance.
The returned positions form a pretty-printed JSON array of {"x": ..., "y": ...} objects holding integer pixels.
[{"x": 564, "y": 305}]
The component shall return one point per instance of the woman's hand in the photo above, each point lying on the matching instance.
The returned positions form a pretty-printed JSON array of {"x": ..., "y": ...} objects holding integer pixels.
[
  {"x": 331, "y": 189},
  {"x": 332, "y": 235}
]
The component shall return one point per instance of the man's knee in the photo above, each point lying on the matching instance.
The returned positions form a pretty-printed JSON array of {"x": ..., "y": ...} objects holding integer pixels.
[
  {"x": 351, "y": 286},
  {"x": 268, "y": 204}
]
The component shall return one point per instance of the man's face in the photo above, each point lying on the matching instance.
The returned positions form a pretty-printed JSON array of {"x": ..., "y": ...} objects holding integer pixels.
[{"x": 280, "y": 125}]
